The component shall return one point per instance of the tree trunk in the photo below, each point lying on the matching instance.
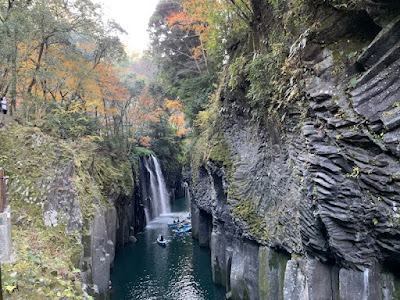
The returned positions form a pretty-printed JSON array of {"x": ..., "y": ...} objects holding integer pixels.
[
  {"x": 204, "y": 54},
  {"x": 41, "y": 50},
  {"x": 105, "y": 116},
  {"x": 14, "y": 81},
  {"x": 261, "y": 24}
]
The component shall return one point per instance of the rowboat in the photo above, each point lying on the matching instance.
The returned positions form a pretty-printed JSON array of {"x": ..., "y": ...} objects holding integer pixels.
[
  {"x": 162, "y": 243},
  {"x": 184, "y": 229}
]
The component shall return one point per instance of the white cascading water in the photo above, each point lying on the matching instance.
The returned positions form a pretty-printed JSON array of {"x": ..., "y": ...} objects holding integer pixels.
[
  {"x": 147, "y": 215},
  {"x": 158, "y": 191},
  {"x": 165, "y": 206}
]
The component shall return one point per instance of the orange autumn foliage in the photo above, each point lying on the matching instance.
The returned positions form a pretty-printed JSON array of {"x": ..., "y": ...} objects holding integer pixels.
[
  {"x": 145, "y": 141},
  {"x": 173, "y": 105},
  {"x": 97, "y": 90},
  {"x": 195, "y": 18},
  {"x": 145, "y": 109},
  {"x": 176, "y": 118}
]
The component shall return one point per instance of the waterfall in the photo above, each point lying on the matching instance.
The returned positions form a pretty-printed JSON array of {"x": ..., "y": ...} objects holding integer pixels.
[
  {"x": 147, "y": 215},
  {"x": 157, "y": 202},
  {"x": 185, "y": 187},
  {"x": 162, "y": 189}
]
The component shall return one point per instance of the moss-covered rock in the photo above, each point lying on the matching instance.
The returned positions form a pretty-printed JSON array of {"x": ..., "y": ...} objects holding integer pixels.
[{"x": 55, "y": 189}]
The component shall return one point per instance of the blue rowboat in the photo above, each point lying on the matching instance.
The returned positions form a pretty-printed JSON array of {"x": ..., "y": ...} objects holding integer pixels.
[
  {"x": 162, "y": 243},
  {"x": 184, "y": 229},
  {"x": 187, "y": 227}
]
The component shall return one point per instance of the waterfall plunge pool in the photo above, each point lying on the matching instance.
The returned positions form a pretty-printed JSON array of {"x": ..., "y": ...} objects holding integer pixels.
[{"x": 180, "y": 271}]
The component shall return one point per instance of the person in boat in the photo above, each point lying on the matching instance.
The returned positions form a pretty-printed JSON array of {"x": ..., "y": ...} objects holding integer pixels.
[{"x": 161, "y": 238}]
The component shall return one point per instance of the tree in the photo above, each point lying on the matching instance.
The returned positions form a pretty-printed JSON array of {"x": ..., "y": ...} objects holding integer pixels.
[
  {"x": 14, "y": 29},
  {"x": 185, "y": 75},
  {"x": 176, "y": 117}
]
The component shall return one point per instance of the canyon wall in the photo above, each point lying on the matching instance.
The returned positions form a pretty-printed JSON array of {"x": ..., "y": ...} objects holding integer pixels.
[
  {"x": 303, "y": 203},
  {"x": 72, "y": 205}
]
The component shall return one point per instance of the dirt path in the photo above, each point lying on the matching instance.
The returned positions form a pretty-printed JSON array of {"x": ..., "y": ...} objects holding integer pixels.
[{"x": 5, "y": 120}]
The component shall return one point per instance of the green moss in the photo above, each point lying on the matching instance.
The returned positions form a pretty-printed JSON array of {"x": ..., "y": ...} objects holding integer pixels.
[
  {"x": 220, "y": 151},
  {"x": 246, "y": 211},
  {"x": 245, "y": 292},
  {"x": 197, "y": 152},
  {"x": 345, "y": 52},
  {"x": 233, "y": 192},
  {"x": 264, "y": 265},
  {"x": 235, "y": 295},
  {"x": 210, "y": 147}
]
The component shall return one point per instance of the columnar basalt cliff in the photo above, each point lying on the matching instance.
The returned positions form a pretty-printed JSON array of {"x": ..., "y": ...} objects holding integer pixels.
[{"x": 303, "y": 201}]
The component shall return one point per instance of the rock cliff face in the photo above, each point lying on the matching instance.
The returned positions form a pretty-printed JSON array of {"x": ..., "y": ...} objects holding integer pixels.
[
  {"x": 72, "y": 206},
  {"x": 114, "y": 217},
  {"x": 113, "y": 226},
  {"x": 309, "y": 208}
]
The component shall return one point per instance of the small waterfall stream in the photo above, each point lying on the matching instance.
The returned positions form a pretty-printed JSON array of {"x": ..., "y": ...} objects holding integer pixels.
[{"x": 157, "y": 201}]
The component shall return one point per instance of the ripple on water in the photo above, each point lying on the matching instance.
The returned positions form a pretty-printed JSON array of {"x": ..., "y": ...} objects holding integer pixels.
[{"x": 146, "y": 289}]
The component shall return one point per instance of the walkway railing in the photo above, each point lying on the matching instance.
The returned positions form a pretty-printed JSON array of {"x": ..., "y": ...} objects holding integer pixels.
[
  {"x": 3, "y": 191},
  {"x": 3, "y": 204}
]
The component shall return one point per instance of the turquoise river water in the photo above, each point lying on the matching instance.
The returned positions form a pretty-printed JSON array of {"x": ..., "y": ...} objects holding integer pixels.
[{"x": 179, "y": 271}]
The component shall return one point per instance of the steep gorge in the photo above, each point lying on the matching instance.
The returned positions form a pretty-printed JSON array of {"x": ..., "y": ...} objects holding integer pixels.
[{"x": 298, "y": 197}]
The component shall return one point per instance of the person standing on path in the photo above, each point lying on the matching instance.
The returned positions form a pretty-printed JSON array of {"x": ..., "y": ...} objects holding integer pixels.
[{"x": 3, "y": 106}]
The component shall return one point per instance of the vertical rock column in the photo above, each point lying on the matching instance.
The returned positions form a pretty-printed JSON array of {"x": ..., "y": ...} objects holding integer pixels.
[
  {"x": 221, "y": 255},
  {"x": 99, "y": 250},
  {"x": 244, "y": 278},
  {"x": 271, "y": 268},
  {"x": 363, "y": 285},
  {"x": 195, "y": 219},
  {"x": 205, "y": 227},
  {"x": 322, "y": 279},
  {"x": 295, "y": 285}
]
